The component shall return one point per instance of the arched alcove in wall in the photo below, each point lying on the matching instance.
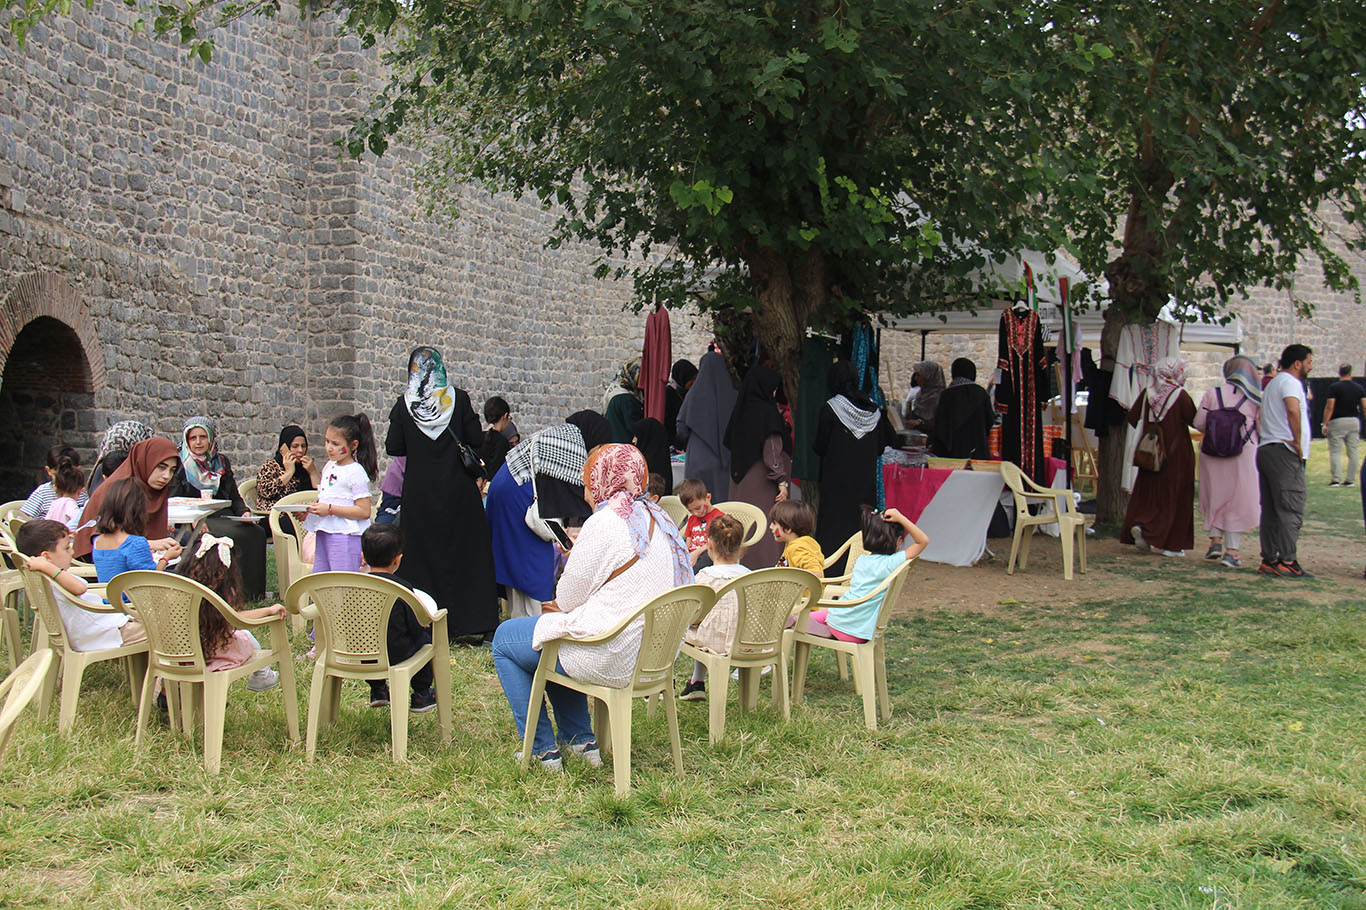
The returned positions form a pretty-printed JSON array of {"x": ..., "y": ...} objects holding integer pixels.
[{"x": 48, "y": 384}]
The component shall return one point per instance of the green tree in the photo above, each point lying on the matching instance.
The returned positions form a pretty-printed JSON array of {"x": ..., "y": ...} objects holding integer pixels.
[
  {"x": 804, "y": 161},
  {"x": 1201, "y": 157}
]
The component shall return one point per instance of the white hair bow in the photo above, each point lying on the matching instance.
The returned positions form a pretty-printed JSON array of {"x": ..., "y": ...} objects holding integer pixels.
[{"x": 224, "y": 545}]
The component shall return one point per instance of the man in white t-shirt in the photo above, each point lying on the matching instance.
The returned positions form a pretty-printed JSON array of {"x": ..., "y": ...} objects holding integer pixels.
[{"x": 1284, "y": 448}]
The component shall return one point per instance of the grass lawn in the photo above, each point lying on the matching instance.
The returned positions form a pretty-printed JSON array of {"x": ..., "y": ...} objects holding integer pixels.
[{"x": 1163, "y": 734}]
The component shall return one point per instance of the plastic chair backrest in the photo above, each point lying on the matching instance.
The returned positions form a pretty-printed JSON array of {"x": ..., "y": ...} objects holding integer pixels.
[
  {"x": 247, "y": 490},
  {"x": 666, "y": 620},
  {"x": 751, "y": 516},
  {"x": 168, "y": 605},
  {"x": 1010, "y": 473},
  {"x": 11, "y": 509},
  {"x": 674, "y": 508},
  {"x": 767, "y": 597},
  {"x": 38, "y": 590},
  {"x": 289, "y": 561},
  {"x": 353, "y": 616},
  {"x": 851, "y": 549},
  {"x": 19, "y": 689},
  {"x": 8, "y": 549}
]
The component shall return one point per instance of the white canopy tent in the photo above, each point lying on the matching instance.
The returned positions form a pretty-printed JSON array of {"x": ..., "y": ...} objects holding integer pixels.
[{"x": 1197, "y": 334}]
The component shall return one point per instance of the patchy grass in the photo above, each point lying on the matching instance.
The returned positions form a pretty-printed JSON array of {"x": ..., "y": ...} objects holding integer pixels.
[{"x": 1194, "y": 739}]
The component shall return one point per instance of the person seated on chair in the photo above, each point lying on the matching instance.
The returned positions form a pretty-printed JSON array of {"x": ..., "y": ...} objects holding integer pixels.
[
  {"x": 655, "y": 488},
  {"x": 725, "y": 546},
  {"x": 47, "y": 544},
  {"x": 627, "y": 553},
  {"x": 791, "y": 522},
  {"x": 209, "y": 561},
  {"x": 883, "y": 533},
  {"x": 381, "y": 546}
]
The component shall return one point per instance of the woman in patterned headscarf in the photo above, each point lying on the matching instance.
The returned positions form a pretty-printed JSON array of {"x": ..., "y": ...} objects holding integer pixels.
[
  {"x": 204, "y": 471},
  {"x": 447, "y": 549},
  {"x": 114, "y": 447},
  {"x": 1161, "y": 510},
  {"x": 1230, "y": 499},
  {"x": 627, "y": 553}
]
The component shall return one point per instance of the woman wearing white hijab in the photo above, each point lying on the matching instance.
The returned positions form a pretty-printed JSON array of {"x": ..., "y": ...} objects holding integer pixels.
[
  {"x": 1161, "y": 510},
  {"x": 447, "y": 549}
]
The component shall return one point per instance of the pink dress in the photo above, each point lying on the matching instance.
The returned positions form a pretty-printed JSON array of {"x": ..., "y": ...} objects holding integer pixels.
[
  {"x": 239, "y": 650},
  {"x": 1230, "y": 498}
]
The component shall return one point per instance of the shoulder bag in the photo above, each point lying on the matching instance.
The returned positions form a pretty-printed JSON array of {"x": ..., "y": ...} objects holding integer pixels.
[
  {"x": 539, "y": 526},
  {"x": 1150, "y": 455}
]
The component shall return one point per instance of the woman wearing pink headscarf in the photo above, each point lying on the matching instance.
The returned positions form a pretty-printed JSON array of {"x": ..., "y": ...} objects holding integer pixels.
[
  {"x": 627, "y": 553},
  {"x": 1161, "y": 510}
]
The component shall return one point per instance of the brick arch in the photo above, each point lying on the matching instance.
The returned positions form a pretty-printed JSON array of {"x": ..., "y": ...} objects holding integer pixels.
[{"x": 48, "y": 294}]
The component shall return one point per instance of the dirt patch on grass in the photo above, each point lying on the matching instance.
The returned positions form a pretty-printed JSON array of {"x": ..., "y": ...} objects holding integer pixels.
[{"x": 987, "y": 588}]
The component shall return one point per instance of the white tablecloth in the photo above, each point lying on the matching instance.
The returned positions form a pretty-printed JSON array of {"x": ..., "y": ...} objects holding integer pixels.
[{"x": 958, "y": 516}]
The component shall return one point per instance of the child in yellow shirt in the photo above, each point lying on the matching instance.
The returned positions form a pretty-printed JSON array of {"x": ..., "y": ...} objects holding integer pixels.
[{"x": 792, "y": 522}]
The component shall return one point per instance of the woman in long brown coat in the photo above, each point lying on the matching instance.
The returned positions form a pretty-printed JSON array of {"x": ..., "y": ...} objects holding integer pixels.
[{"x": 1161, "y": 513}]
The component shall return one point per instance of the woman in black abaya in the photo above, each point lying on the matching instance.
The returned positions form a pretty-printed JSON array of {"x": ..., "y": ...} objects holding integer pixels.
[
  {"x": 850, "y": 435},
  {"x": 447, "y": 549}
]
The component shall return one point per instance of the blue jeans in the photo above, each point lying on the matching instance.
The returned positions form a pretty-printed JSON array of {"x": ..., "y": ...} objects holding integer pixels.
[{"x": 515, "y": 662}]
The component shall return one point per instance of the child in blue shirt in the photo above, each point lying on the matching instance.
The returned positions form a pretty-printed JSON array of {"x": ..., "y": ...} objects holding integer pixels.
[
  {"x": 883, "y": 534},
  {"x": 119, "y": 545}
]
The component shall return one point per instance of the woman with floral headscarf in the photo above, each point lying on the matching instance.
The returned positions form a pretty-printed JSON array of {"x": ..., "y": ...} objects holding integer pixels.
[
  {"x": 627, "y": 553},
  {"x": 1161, "y": 510},
  {"x": 447, "y": 548},
  {"x": 1230, "y": 498},
  {"x": 205, "y": 472}
]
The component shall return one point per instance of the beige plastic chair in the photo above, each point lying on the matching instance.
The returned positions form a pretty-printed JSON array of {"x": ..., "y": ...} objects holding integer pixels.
[
  {"x": 18, "y": 691},
  {"x": 12, "y": 510},
  {"x": 751, "y": 516},
  {"x": 247, "y": 490},
  {"x": 870, "y": 657},
  {"x": 11, "y": 586},
  {"x": 1071, "y": 523},
  {"x": 288, "y": 538},
  {"x": 666, "y": 619},
  {"x": 853, "y": 547},
  {"x": 350, "y": 613},
  {"x": 38, "y": 591},
  {"x": 169, "y": 606},
  {"x": 766, "y": 598},
  {"x": 674, "y": 508}
]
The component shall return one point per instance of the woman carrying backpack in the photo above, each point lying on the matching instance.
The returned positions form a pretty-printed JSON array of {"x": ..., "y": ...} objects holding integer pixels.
[
  {"x": 1229, "y": 497},
  {"x": 1161, "y": 512}
]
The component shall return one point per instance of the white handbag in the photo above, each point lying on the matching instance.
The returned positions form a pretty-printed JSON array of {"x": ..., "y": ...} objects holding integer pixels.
[{"x": 539, "y": 526}]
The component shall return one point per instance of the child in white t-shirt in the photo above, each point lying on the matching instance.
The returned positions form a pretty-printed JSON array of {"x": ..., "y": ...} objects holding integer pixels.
[
  {"x": 47, "y": 544},
  {"x": 725, "y": 547},
  {"x": 342, "y": 512}
]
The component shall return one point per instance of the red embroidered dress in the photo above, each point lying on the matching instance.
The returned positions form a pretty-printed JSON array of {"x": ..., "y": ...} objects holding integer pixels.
[{"x": 1019, "y": 396}]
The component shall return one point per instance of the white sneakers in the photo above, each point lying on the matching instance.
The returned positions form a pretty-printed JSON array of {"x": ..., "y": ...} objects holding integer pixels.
[{"x": 263, "y": 679}]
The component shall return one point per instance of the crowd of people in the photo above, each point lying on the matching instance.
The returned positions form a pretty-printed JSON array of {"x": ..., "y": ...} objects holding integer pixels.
[{"x": 564, "y": 525}]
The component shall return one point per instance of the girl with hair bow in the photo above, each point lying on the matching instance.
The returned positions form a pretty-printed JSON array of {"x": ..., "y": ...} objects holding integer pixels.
[{"x": 209, "y": 561}]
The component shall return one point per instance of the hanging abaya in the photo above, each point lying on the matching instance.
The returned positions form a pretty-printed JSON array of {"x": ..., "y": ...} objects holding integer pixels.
[
  {"x": 701, "y": 426},
  {"x": 447, "y": 550},
  {"x": 760, "y": 455},
  {"x": 851, "y": 433}
]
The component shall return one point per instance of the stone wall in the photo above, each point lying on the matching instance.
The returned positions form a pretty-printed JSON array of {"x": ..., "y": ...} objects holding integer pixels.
[{"x": 223, "y": 258}]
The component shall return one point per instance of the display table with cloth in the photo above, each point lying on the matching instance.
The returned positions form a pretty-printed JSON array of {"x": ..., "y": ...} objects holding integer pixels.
[{"x": 953, "y": 507}]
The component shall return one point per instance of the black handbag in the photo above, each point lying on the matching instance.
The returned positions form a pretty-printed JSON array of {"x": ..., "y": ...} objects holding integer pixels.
[{"x": 469, "y": 459}]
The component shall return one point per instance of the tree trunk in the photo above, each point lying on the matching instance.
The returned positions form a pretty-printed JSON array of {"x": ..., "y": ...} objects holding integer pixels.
[
  {"x": 1111, "y": 499},
  {"x": 789, "y": 291}
]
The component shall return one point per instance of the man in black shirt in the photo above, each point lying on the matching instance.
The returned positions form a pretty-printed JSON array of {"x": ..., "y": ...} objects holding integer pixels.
[{"x": 1345, "y": 401}]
